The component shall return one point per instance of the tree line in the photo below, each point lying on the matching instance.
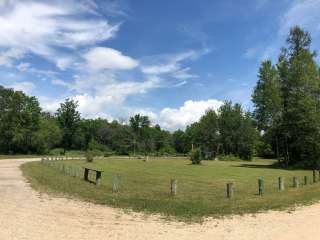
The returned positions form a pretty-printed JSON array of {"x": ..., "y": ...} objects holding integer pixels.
[
  {"x": 284, "y": 124},
  {"x": 26, "y": 129}
]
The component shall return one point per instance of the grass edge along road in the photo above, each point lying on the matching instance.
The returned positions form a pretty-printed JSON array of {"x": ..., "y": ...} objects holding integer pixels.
[{"x": 145, "y": 186}]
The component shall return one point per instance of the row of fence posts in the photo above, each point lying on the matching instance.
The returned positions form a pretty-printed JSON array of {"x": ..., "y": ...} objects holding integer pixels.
[
  {"x": 77, "y": 172},
  {"x": 60, "y": 158},
  {"x": 281, "y": 185},
  {"x": 55, "y": 162},
  {"x": 261, "y": 185}
]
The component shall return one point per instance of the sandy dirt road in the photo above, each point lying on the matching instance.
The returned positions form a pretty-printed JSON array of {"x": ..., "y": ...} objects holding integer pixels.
[{"x": 26, "y": 214}]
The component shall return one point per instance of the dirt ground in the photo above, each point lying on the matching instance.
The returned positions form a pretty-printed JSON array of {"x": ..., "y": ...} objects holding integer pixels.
[{"x": 26, "y": 214}]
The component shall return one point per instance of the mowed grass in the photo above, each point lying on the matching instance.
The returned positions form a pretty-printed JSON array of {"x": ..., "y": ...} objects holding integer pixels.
[{"x": 145, "y": 186}]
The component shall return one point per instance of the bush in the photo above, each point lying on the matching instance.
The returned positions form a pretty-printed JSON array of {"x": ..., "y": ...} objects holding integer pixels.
[
  {"x": 195, "y": 156},
  {"x": 89, "y": 156},
  {"x": 264, "y": 150},
  {"x": 166, "y": 150}
]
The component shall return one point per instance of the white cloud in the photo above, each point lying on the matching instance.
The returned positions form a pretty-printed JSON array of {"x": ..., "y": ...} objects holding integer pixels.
[
  {"x": 26, "y": 87},
  {"x": 59, "y": 82},
  {"x": 303, "y": 13},
  {"x": 9, "y": 55},
  {"x": 64, "y": 62},
  {"x": 49, "y": 104},
  {"x": 108, "y": 101},
  {"x": 23, "y": 66},
  {"x": 100, "y": 58},
  {"x": 184, "y": 74},
  {"x": 42, "y": 28},
  {"x": 190, "y": 112},
  {"x": 101, "y": 94},
  {"x": 299, "y": 13},
  {"x": 171, "y": 64}
]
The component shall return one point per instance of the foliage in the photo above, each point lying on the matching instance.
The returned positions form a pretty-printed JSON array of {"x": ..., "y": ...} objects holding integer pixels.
[
  {"x": 237, "y": 133},
  {"x": 69, "y": 119},
  {"x": 89, "y": 156},
  {"x": 48, "y": 136},
  {"x": 287, "y": 103},
  {"x": 195, "y": 156},
  {"x": 180, "y": 141},
  {"x": 19, "y": 121}
]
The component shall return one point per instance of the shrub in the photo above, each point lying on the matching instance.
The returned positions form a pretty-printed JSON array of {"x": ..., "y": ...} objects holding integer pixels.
[
  {"x": 264, "y": 150},
  {"x": 89, "y": 156},
  {"x": 195, "y": 156}
]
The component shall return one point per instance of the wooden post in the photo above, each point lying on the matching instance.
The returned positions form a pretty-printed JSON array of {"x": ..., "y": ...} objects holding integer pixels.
[
  {"x": 314, "y": 176},
  {"x": 115, "y": 183},
  {"x": 306, "y": 180},
  {"x": 261, "y": 186},
  {"x": 230, "y": 190},
  {"x": 86, "y": 174},
  {"x": 174, "y": 187},
  {"x": 281, "y": 183},
  {"x": 98, "y": 178},
  {"x": 295, "y": 182}
]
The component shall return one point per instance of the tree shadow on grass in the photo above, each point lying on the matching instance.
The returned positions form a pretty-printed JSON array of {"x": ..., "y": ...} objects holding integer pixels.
[{"x": 261, "y": 166}]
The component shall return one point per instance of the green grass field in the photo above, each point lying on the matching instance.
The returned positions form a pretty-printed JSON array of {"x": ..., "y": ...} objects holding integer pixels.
[{"x": 145, "y": 186}]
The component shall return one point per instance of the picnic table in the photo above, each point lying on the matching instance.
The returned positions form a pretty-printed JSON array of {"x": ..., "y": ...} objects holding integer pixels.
[{"x": 97, "y": 178}]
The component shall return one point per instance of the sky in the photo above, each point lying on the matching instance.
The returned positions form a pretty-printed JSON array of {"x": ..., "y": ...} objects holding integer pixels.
[{"x": 168, "y": 59}]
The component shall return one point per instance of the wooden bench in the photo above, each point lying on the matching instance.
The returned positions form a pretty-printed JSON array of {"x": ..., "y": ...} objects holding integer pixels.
[{"x": 98, "y": 175}]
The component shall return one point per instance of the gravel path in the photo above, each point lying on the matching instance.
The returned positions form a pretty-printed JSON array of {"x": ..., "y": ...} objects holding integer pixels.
[{"x": 26, "y": 214}]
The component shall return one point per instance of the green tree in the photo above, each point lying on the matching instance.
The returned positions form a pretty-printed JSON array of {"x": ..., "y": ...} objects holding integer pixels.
[
  {"x": 19, "y": 120},
  {"x": 180, "y": 141},
  {"x": 140, "y": 126},
  {"x": 267, "y": 97},
  {"x": 69, "y": 119},
  {"x": 208, "y": 134},
  {"x": 238, "y": 135},
  {"x": 300, "y": 125},
  {"x": 48, "y": 136},
  {"x": 268, "y": 107}
]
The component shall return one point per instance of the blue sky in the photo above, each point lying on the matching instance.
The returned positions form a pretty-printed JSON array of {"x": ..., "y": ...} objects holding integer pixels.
[{"x": 170, "y": 60}]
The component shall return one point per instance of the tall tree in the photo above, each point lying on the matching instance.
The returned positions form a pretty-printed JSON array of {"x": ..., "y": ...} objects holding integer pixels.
[
  {"x": 180, "y": 141},
  {"x": 267, "y": 97},
  {"x": 140, "y": 127},
  {"x": 48, "y": 136},
  {"x": 237, "y": 133},
  {"x": 268, "y": 106},
  {"x": 300, "y": 92},
  {"x": 68, "y": 118},
  {"x": 19, "y": 120},
  {"x": 208, "y": 132}
]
